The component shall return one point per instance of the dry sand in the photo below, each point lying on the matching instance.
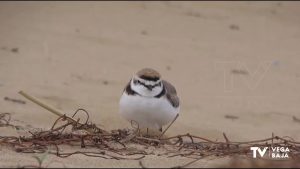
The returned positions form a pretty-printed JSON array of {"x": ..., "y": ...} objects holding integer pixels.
[{"x": 225, "y": 58}]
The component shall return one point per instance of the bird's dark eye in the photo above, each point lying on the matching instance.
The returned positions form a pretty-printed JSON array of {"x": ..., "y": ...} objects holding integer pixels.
[{"x": 137, "y": 81}]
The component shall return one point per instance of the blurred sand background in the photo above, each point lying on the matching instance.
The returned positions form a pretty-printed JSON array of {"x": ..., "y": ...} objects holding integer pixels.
[{"x": 236, "y": 59}]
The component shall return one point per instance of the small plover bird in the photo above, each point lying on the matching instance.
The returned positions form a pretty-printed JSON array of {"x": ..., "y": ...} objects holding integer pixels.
[{"x": 149, "y": 100}]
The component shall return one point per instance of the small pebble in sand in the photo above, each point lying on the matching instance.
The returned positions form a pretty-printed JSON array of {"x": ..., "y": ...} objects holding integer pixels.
[
  {"x": 14, "y": 100},
  {"x": 234, "y": 27},
  {"x": 105, "y": 82},
  {"x": 231, "y": 117},
  {"x": 295, "y": 119},
  {"x": 144, "y": 32},
  {"x": 239, "y": 71},
  {"x": 15, "y": 50}
]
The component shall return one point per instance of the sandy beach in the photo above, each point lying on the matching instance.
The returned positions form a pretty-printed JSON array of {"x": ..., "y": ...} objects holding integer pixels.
[{"x": 235, "y": 66}]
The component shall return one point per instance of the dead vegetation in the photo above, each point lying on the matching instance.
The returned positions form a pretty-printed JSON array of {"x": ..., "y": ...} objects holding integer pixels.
[{"x": 128, "y": 144}]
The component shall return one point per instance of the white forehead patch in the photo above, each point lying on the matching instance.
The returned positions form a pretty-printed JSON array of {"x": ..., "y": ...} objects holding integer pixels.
[{"x": 148, "y": 82}]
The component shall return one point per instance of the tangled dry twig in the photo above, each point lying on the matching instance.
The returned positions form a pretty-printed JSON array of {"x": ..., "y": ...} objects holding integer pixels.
[{"x": 122, "y": 144}]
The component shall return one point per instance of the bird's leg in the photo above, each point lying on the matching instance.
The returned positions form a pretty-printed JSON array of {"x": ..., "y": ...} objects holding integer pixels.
[
  {"x": 160, "y": 129},
  {"x": 147, "y": 132}
]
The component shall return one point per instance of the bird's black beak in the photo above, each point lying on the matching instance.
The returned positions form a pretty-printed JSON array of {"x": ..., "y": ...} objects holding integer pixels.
[{"x": 149, "y": 87}]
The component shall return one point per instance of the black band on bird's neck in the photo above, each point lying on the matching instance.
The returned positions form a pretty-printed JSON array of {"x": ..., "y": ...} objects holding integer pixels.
[{"x": 161, "y": 93}]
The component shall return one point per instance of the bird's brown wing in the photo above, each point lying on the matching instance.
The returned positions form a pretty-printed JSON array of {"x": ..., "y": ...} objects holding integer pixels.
[{"x": 171, "y": 93}]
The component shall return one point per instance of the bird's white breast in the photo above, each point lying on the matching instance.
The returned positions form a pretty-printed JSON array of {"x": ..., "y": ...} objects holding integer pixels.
[{"x": 147, "y": 111}]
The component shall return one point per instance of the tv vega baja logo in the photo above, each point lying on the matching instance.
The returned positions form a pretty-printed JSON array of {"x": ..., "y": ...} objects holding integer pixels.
[{"x": 274, "y": 152}]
